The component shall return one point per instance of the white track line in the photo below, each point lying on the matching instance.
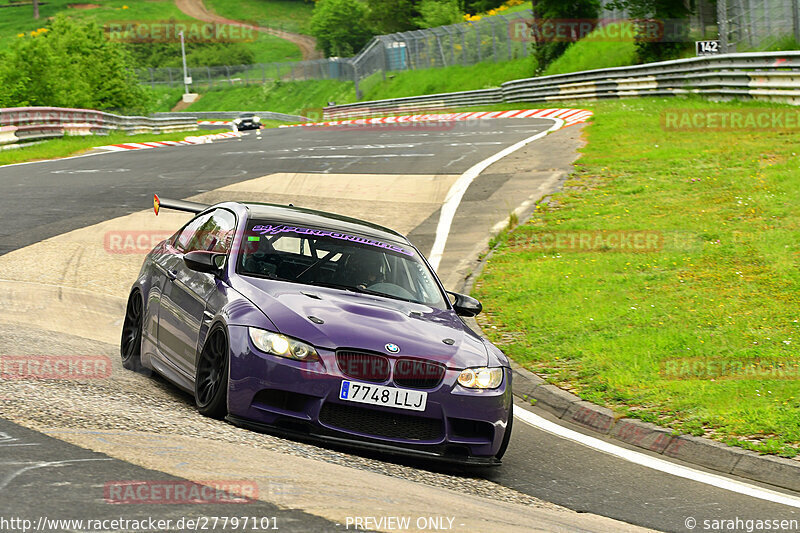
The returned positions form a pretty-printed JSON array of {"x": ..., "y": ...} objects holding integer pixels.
[
  {"x": 457, "y": 190},
  {"x": 656, "y": 463},
  {"x": 57, "y": 159}
]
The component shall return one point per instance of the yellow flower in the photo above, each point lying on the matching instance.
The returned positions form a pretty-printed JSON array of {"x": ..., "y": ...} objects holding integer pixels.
[
  {"x": 492, "y": 12},
  {"x": 20, "y": 35},
  {"x": 124, "y": 7}
]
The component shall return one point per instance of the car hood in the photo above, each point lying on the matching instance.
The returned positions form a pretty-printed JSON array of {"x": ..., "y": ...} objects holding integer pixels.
[{"x": 364, "y": 322}]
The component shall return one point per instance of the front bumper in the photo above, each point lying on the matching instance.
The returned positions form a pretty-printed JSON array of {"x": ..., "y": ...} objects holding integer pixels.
[{"x": 280, "y": 395}]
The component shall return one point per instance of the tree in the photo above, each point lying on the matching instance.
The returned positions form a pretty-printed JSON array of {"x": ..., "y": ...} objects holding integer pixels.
[
  {"x": 391, "y": 16},
  {"x": 340, "y": 27},
  {"x": 435, "y": 13},
  {"x": 480, "y": 6},
  {"x": 671, "y": 15},
  {"x": 36, "y": 9},
  {"x": 548, "y": 49}
]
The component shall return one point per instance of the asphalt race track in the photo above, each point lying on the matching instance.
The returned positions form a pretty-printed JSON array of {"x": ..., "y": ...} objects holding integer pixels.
[{"x": 61, "y": 442}]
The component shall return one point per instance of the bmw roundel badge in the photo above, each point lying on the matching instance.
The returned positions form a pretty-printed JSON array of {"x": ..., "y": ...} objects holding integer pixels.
[{"x": 392, "y": 348}]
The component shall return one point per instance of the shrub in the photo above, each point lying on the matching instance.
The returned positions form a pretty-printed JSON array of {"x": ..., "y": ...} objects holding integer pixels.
[{"x": 68, "y": 64}]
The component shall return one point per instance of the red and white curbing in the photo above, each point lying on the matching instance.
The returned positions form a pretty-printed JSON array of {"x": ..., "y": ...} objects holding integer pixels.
[
  {"x": 161, "y": 144},
  {"x": 568, "y": 115},
  {"x": 215, "y": 122},
  {"x": 139, "y": 146}
]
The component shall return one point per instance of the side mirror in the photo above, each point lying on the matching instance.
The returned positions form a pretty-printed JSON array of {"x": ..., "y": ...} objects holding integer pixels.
[
  {"x": 207, "y": 262},
  {"x": 466, "y": 305}
]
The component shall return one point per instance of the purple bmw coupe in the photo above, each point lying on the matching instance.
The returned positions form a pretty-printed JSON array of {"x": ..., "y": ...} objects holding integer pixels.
[{"x": 318, "y": 326}]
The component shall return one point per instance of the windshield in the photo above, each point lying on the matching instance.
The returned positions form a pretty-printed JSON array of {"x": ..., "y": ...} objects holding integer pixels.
[{"x": 332, "y": 259}]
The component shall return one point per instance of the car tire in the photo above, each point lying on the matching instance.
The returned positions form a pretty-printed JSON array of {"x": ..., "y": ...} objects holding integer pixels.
[
  {"x": 130, "y": 346},
  {"x": 211, "y": 377},
  {"x": 507, "y": 436}
]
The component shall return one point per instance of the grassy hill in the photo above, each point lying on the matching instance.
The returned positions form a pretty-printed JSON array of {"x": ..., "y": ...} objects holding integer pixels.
[
  {"x": 289, "y": 15},
  {"x": 593, "y": 52},
  {"x": 19, "y": 19}
]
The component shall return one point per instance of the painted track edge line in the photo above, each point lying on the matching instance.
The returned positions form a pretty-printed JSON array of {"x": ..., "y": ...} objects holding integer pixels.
[
  {"x": 656, "y": 463},
  {"x": 459, "y": 188}
]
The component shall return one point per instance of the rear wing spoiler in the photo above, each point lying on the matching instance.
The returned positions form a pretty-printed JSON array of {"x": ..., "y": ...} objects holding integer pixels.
[{"x": 178, "y": 205}]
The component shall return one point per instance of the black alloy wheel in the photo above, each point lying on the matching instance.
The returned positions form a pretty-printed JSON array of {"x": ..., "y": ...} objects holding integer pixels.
[
  {"x": 211, "y": 379},
  {"x": 131, "y": 342}
]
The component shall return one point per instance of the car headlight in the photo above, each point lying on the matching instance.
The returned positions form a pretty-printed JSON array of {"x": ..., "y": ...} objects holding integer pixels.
[
  {"x": 237, "y": 120},
  {"x": 256, "y": 119},
  {"x": 282, "y": 346},
  {"x": 481, "y": 378}
]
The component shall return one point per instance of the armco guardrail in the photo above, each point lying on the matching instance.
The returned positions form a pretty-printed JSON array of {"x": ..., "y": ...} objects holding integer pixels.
[
  {"x": 770, "y": 76},
  {"x": 269, "y": 115},
  {"x": 39, "y": 123}
]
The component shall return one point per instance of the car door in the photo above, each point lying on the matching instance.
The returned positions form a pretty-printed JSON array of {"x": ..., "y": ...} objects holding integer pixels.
[{"x": 186, "y": 293}]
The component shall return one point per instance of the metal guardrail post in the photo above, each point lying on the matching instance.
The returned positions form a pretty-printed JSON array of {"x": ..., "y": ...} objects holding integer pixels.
[
  {"x": 384, "y": 60},
  {"x": 464, "y": 55},
  {"x": 356, "y": 80},
  {"x": 796, "y": 20},
  {"x": 441, "y": 48},
  {"x": 508, "y": 34},
  {"x": 722, "y": 22},
  {"x": 478, "y": 43},
  {"x": 494, "y": 41}
]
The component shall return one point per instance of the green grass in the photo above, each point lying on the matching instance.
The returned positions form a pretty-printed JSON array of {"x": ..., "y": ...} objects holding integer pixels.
[
  {"x": 271, "y": 49},
  {"x": 594, "y": 52},
  {"x": 73, "y": 145},
  {"x": 724, "y": 287},
  {"x": 300, "y": 97},
  {"x": 303, "y": 97},
  {"x": 777, "y": 44},
  {"x": 289, "y": 15},
  {"x": 447, "y": 79},
  {"x": 163, "y": 99}
]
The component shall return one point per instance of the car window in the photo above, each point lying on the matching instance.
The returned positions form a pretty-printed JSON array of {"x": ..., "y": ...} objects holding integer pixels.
[
  {"x": 212, "y": 232},
  {"x": 329, "y": 258}
]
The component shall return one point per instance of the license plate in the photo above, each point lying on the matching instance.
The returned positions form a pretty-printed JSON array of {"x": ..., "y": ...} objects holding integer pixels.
[{"x": 353, "y": 391}]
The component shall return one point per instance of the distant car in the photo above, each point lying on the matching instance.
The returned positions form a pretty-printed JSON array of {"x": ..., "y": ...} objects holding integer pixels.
[
  {"x": 319, "y": 326},
  {"x": 247, "y": 121}
]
